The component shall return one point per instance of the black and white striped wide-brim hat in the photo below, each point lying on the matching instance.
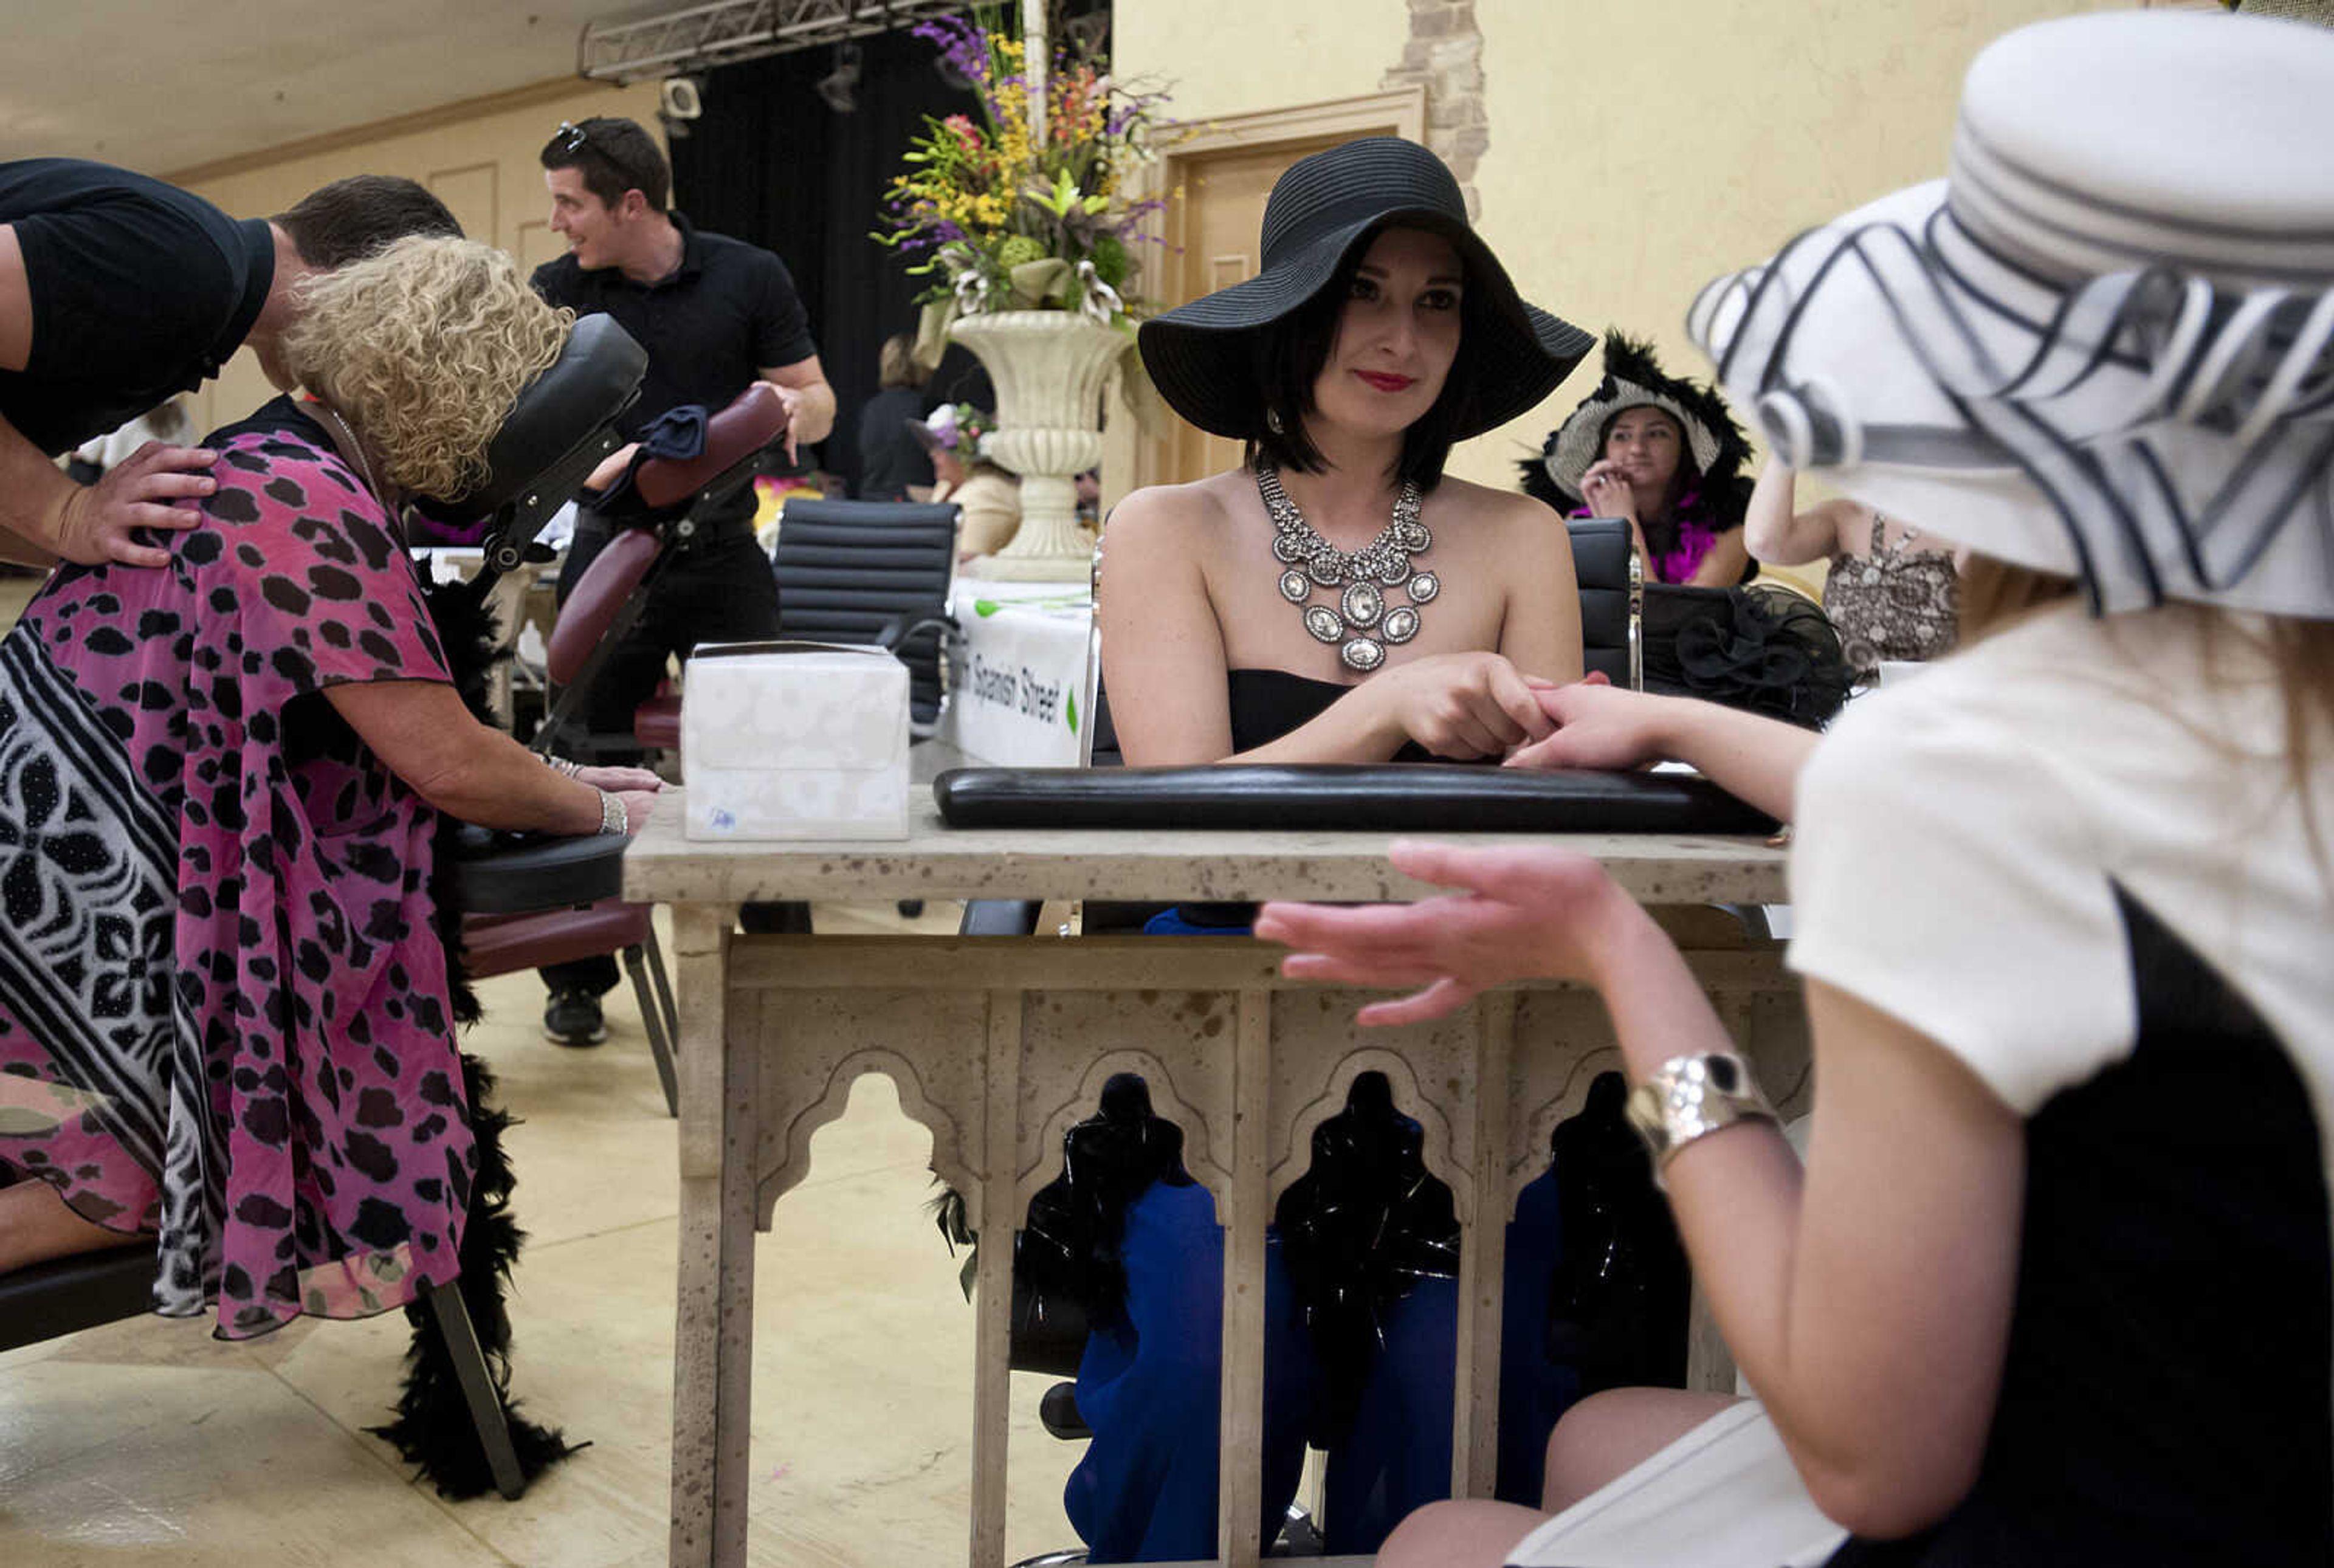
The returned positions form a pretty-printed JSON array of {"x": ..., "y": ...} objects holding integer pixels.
[{"x": 2101, "y": 346}]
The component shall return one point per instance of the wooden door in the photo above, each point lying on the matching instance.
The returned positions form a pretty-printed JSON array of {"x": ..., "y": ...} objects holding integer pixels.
[{"x": 1213, "y": 230}]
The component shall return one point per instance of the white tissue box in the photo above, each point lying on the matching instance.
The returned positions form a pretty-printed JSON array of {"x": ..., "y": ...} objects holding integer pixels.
[{"x": 795, "y": 740}]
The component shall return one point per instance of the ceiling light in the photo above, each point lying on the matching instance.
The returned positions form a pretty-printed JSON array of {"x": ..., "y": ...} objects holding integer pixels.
[{"x": 834, "y": 88}]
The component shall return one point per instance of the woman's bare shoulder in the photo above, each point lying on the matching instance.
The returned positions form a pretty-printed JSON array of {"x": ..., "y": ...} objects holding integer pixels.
[
  {"x": 1201, "y": 508},
  {"x": 1482, "y": 504}
]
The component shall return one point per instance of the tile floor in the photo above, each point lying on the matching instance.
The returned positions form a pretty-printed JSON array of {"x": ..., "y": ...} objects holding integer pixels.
[{"x": 148, "y": 1442}]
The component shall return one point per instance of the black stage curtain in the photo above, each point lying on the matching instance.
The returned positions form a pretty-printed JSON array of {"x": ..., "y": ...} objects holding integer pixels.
[{"x": 770, "y": 163}]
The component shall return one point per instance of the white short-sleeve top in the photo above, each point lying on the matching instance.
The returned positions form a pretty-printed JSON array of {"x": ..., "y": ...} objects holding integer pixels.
[
  {"x": 1961, "y": 838},
  {"x": 2077, "y": 856}
]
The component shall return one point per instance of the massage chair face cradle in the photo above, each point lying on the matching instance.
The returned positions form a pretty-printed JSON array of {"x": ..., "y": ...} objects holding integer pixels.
[{"x": 563, "y": 426}]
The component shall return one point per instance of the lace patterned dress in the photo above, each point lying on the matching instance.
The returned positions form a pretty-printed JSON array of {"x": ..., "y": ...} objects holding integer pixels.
[{"x": 1901, "y": 602}]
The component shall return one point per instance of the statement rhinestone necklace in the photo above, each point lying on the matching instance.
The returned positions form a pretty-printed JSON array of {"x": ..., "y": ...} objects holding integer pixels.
[{"x": 1362, "y": 623}]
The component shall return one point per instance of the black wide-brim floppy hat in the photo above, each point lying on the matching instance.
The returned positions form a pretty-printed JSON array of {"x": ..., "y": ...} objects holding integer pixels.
[
  {"x": 2103, "y": 346},
  {"x": 1201, "y": 355}
]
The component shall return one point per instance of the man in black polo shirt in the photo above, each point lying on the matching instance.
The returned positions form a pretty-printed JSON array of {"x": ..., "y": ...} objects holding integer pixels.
[
  {"x": 117, "y": 291},
  {"x": 714, "y": 314}
]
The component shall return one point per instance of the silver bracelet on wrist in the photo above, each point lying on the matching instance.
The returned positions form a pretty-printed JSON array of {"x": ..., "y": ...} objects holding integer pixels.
[
  {"x": 613, "y": 818},
  {"x": 1691, "y": 1097},
  {"x": 565, "y": 766}
]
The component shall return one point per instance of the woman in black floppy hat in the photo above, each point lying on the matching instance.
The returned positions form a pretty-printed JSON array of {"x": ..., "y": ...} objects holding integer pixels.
[{"x": 1336, "y": 599}]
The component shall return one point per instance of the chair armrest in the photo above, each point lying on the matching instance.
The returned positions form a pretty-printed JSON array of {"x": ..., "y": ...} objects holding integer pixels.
[
  {"x": 593, "y": 602},
  {"x": 1387, "y": 797},
  {"x": 753, "y": 420},
  {"x": 495, "y": 874},
  {"x": 895, "y": 632}
]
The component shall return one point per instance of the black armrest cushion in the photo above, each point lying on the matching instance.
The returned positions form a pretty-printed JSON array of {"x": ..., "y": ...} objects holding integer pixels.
[
  {"x": 1391, "y": 797},
  {"x": 496, "y": 874}
]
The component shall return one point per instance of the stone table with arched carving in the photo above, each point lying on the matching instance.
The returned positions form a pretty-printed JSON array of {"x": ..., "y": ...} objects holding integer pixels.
[{"x": 998, "y": 1043}]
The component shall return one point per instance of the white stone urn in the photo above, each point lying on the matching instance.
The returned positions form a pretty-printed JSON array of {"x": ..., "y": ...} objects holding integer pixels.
[{"x": 1049, "y": 367}]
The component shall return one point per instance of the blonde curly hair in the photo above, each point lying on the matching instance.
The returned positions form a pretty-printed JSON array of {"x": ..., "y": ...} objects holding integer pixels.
[{"x": 423, "y": 347}]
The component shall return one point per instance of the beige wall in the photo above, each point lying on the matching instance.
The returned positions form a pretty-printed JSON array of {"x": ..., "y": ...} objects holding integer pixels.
[
  {"x": 1237, "y": 57},
  {"x": 481, "y": 161},
  {"x": 1635, "y": 150}
]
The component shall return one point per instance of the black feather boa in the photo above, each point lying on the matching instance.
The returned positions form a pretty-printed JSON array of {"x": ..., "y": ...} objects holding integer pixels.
[
  {"x": 433, "y": 1429},
  {"x": 1358, "y": 1230},
  {"x": 1070, "y": 1247}
]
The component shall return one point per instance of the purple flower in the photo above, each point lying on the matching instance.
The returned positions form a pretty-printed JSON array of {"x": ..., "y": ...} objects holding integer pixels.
[{"x": 960, "y": 44}]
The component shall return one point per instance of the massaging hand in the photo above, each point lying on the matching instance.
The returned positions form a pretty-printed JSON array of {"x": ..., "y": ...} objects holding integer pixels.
[
  {"x": 95, "y": 524},
  {"x": 1599, "y": 724},
  {"x": 792, "y": 398},
  {"x": 1463, "y": 705},
  {"x": 1528, "y": 911}
]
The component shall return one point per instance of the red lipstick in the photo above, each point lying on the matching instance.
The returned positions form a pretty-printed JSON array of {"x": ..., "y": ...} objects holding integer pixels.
[{"x": 1384, "y": 381}]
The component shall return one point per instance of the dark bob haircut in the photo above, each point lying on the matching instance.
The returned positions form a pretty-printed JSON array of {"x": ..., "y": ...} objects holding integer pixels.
[{"x": 1289, "y": 353}]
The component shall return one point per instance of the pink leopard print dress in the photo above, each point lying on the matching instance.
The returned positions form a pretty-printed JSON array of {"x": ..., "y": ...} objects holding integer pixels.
[{"x": 224, "y": 1013}]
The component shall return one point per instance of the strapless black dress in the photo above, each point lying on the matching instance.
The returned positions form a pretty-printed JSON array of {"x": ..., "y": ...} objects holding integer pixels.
[{"x": 1266, "y": 703}]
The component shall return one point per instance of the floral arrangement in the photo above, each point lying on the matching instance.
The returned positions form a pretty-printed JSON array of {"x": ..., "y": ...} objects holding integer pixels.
[{"x": 1004, "y": 223}]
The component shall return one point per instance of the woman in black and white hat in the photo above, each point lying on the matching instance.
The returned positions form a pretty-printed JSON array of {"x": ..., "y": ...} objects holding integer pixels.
[
  {"x": 2056, "y": 1282},
  {"x": 1661, "y": 452},
  {"x": 1337, "y": 599}
]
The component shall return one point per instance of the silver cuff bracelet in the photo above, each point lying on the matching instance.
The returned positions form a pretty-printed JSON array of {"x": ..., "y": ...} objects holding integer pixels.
[
  {"x": 1691, "y": 1097},
  {"x": 614, "y": 817}
]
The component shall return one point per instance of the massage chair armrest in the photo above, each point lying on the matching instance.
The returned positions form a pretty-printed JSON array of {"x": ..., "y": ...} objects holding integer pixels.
[
  {"x": 515, "y": 874},
  {"x": 1057, "y": 1413},
  {"x": 754, "y": 419}
]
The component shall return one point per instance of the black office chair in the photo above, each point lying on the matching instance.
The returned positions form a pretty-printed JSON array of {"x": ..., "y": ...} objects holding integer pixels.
[
  {"x": 874, "y": 571},
  {"x": 879, "y": 572},
  {"x": 1612, "y": 599},
  {"x": 1761, "y": 647}
]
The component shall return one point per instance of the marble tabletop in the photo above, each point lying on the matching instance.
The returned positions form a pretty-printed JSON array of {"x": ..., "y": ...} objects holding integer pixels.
[{"x": 938, "y": 861}]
